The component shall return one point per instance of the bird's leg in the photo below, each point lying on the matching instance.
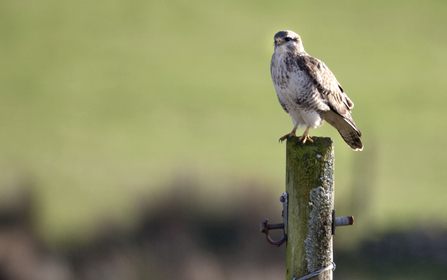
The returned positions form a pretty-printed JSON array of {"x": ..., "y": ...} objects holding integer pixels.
[
  {"x": 287, "y": 136},
  {"x": 305, "y": 137}
]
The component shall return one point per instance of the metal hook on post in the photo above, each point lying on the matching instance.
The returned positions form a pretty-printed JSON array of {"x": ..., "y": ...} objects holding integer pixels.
[{"x": 265, "y": 226}]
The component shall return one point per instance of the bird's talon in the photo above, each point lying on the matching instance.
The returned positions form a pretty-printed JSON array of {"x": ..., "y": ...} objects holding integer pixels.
[
  {"x": 304, "y": 138},
  {"x": 287, "y": 136},
  {"x": 283, "y": 138}
]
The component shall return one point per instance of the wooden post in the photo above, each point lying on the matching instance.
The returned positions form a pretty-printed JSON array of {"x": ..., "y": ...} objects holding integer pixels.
[{"x": 310, "y": 189}]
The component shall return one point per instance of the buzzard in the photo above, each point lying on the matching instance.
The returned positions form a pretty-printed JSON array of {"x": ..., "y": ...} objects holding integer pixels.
[{"x": 309, "y": 92}]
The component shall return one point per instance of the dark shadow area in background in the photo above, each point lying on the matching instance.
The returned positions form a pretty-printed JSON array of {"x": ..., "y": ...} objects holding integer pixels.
[{"x": 182, "y": 241}]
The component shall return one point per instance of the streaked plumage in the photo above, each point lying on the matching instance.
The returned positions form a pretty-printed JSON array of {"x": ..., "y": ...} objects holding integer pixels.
[{"x": 309, "y": 92}]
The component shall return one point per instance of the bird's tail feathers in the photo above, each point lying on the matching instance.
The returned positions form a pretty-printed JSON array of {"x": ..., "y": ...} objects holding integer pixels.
[{"x": 347, "y": 129}]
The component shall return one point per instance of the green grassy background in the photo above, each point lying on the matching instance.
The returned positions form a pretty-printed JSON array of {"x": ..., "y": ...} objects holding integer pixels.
[{"x": 104, "y": 103}]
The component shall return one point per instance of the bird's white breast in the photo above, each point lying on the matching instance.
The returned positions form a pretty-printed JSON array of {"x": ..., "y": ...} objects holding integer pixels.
[{"x": 295, "y": 89}]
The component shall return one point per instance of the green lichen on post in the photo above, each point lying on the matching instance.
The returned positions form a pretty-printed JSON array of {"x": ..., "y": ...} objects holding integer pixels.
[{"x": 308, "y": 167}]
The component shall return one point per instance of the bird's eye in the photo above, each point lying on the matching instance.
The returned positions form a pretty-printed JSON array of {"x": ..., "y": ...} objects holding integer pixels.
[{"x": 287, "y": 39}]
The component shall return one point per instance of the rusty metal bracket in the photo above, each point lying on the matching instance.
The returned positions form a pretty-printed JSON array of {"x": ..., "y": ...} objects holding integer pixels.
[
  {"x": 341, "y": 221},
  {"x": 265, "y": 226}
]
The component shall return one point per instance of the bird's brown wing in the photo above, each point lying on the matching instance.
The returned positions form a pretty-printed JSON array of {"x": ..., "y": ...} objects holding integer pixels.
[
  {"x": 331, "y": 91},
  {"x": 326, "y": 83}
]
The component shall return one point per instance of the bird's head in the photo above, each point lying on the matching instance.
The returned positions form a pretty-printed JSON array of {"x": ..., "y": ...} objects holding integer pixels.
[{"x": 287, "y": 40}]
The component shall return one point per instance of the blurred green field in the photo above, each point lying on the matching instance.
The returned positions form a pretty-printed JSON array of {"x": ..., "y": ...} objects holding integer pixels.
[{"x": 104, "y": 103}]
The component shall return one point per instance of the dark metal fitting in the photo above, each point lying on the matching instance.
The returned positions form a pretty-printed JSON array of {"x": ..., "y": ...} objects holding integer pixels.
[{"x": 265, "y": 227}]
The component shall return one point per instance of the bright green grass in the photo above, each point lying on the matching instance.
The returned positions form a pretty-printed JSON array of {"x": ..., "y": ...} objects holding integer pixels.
[{"x": 102, "y": 102}]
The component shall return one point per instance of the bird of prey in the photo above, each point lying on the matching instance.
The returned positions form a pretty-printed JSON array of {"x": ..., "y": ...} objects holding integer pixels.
[{"x": 309, "y": 92}]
